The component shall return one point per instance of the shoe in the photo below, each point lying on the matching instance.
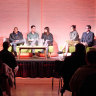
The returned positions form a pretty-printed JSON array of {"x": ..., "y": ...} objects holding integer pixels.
[
  {"x": 35, "y": 56},
  {"x": 62, "y": 90},
  {"x": 60, "y": 52},
  {"x": 39, "y": 52},
  {"x": 48, "y": 56}
]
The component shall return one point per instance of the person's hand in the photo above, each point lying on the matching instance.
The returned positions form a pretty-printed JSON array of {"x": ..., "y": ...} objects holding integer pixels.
[
  {"x": 16, "y": 40},
  {"x": 47, "y": 40},
  {"x": 84, "y": 43},
  {"x": 31, "y": 40}
]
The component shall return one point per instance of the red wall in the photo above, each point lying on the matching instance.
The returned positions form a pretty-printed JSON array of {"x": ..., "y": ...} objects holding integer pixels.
[
  {"x": 35, "y": 14},
  {"x": 13, "y": 13},
  {"x": 59, "y": 15}
]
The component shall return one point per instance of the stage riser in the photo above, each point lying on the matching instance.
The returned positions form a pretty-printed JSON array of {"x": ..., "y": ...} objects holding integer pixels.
[{"x": 36, "y": 69}]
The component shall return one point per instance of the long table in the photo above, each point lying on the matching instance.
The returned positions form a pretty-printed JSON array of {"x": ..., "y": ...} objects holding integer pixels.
[{"x": 30, "y": 47}]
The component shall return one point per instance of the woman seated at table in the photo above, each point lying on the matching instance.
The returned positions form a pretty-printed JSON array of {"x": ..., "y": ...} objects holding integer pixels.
[{"x": 48, "y": 38}]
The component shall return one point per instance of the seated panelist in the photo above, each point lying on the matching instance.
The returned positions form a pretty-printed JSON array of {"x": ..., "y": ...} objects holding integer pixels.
[
  {"x": 87, "y": 37},
  {"x": 47, "y": 37},
  {"x": 74, "y": 39},
  {"x": 33, "y": 37},
  {"x": 16, "y": 38}
]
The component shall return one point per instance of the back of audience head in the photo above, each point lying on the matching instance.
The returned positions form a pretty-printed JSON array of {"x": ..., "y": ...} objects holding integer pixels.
[
  {"x": 80, "y": 48},
  {"x": 91, "y": 57},
  {"x": 5, "y": 45}
]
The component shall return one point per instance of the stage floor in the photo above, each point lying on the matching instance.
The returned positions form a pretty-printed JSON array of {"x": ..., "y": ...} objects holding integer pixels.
[
  {"x": 59, "y": 57},
  {"x": 37, "y": 59}
]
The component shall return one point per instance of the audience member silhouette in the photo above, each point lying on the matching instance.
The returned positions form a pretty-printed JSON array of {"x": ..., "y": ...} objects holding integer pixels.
[
  {"x": 71, "y": 63},
  {"x": 83, "y": 82},
  {"x": 7, "y": 57},
  {"x": 6, "y": 79}
]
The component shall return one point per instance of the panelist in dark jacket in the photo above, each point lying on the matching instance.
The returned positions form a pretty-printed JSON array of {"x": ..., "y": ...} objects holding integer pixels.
[
  {"x": 47, "y": 36},
  {"x": 15, "y": 38},
  {"x": 87, "y": 37}
]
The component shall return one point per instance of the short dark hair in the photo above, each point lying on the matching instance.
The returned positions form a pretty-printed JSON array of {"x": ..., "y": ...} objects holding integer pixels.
[
  {"x": 5, "y": 45},
  {"x": 89, "y": 26},
  {"x": 73, "y": 26},
  {"x": 80, "y": 48},
  {"x": 33, "y": 26},
  {"x": 91, "y": 57}
]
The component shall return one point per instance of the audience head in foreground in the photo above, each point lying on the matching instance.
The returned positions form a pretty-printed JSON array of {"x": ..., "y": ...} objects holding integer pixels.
[
  {"x": 7, "y": 57},
  {"x": 80, "y": 48},
  {"x": 5, "y": 45},
  {"x": 91, "y": 58},
  {"x": 83, "y": 82}
]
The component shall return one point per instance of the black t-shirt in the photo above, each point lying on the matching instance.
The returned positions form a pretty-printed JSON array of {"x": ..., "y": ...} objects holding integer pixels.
[{"x": 8, "y": 58}]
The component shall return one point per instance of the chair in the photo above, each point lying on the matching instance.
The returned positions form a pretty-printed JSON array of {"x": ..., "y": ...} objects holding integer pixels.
[
  {"x": 57, "y": 71},
  {"x": 60, "y": 84},
  {"x": 14, "y": 80},
  {"x": 15, "y": 71},
  {"x": 6, "y": 78},
  {"x": 51, "y": 49}
]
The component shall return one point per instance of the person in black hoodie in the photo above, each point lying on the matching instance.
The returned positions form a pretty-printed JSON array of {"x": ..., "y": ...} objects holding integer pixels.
[
  {"x": 7, "y": 57},
  {"x": 71, "y": 64},
  {"x": 16, "y": 38}
]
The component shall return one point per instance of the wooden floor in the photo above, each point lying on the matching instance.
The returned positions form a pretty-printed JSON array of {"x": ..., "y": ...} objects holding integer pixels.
[{"x": 35, "y": 87}]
